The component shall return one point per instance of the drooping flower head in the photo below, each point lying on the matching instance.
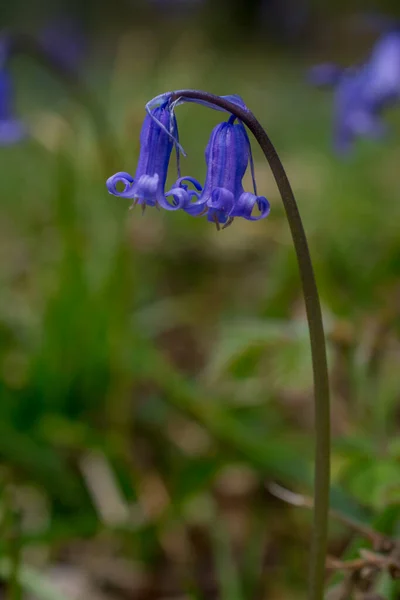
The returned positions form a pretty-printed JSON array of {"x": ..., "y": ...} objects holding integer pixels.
[
  {"x": 157, "y": 138},
  {"x": 12, "y": 130},
  {"x": 228, "y": 154}
]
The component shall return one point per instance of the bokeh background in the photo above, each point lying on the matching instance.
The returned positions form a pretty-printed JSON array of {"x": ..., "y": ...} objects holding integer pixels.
[{"x": 155, "y": 374}]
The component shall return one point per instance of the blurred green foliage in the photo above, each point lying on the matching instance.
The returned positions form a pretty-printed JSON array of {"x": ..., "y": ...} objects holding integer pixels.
[{"x": 155, "y": 374}]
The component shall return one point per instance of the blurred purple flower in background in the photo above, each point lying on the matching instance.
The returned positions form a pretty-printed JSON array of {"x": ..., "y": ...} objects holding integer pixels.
[
  {"x": 325, "y": 74},
  {"x": 356, "y": 114},
  {"x": 363, "y": 93},
  {"x": 63, "y": 38},
  {"x": 383, "y": 68},
  {"x": 12, "y": 130}
]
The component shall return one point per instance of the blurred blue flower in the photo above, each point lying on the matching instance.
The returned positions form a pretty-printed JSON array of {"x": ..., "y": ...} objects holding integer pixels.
[
  {"x": 228, "y": 154},
  {"x": 363, "y": 93},
  {"x": 356, "y": 113},
  {"x": 12, "y": 130},
  {"x": 158, "y": 136},
  {"x": 325, "y": 74},
  {"x": 383, "y": 84},
  {"x": 63, "y": 38}
]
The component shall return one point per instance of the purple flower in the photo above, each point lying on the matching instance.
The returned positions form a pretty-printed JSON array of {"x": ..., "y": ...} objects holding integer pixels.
[
  {"x": 64, "y": 39},
  {"x": 325, "y": 74},
  {"x": 363, "y": 93},
  {"x": 12, "y": 130},
  {"x": 228, "y": 155},
  {"x": 158, "y": 136},
  {"x": 356, "y": 111},
  {"x": 383, "y": 83}
]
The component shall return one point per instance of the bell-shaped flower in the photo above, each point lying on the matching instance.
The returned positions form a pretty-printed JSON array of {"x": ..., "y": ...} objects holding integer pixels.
[
  {"x": 228, "y": 155},
  {"x": 147, "y": 188}
]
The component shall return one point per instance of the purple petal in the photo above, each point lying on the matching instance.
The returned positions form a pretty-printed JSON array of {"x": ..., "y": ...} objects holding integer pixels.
[
  {"x": 126, "y": 179},
  {"x": 222, "y": 200},
  {"x": 192, "y": 208},
  {"x": 197, "y": 185},
  {"x": 146, "y": 189},
  {"x": 180, "y": 199},
  {"x": 244, "y": 207}
]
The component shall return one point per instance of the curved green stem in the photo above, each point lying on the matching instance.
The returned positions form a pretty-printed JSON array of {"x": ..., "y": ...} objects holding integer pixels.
[
  {"x": 317, "y": 337},
  {"x": 26, "y": 45}
]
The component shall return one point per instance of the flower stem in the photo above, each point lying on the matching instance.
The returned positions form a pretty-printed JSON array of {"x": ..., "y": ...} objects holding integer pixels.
[{"x": 316, "y": 330}]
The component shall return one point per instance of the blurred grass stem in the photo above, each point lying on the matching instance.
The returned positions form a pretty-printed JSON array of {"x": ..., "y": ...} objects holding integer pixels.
[{"x": 317, "y": 336}]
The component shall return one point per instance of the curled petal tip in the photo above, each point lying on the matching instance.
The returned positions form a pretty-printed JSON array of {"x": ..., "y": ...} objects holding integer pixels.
[
  {"x": 123, "y": 177},
  {"x": 182, "y": 196},
  {"x": 180, "y": 183},
  {"x": 180, "y": 199},
  {"x": 244, "y": 207}
]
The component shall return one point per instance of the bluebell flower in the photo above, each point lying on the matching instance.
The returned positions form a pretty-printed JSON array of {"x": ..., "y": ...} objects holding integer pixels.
[
  {"x": 383, "y": 67},
  {"x": 228, "y": 155},
  {"x": 364, "y": 92},
  {"x": 158, "y": 136},
  {"x": 12, "y": 130},
  {"x": 356, "y": 112}
]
